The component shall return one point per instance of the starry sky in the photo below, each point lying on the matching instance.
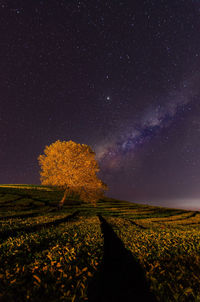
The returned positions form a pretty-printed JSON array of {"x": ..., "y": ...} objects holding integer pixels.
[{"x": 120, "y": 76}]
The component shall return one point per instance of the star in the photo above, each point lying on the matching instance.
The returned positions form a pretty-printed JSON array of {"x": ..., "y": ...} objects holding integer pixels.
[{"x": 133, "y": 73}]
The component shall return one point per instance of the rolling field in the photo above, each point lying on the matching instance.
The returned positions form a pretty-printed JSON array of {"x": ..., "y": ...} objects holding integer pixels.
[{"x": 116, "y": 251}]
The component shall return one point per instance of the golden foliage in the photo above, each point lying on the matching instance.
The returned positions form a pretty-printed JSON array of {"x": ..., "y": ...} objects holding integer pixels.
[{"x": 72, "y": 167}]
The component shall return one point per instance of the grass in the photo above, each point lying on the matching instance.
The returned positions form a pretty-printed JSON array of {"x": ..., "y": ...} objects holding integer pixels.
[{"x": 52, "y": 255}]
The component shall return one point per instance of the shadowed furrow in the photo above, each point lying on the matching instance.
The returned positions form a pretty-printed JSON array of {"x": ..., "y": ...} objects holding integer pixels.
[
  {"x": 34, "y": 214},
  {"x": 181, "y": 218},
  {"x": 29, "y": 229},
  {"x": 121, "y": 277},
  {"x": 5, "y": 203},
  {"x": 138, "y": 225}
]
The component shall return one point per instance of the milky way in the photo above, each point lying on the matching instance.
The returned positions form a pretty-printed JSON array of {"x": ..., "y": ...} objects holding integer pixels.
[
  {"x": 112, "y": 155},
  {"x": 119, "y": 76}
]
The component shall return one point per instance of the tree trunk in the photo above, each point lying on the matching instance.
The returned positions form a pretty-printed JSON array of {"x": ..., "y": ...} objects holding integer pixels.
[{"x": 61, "y": 203}]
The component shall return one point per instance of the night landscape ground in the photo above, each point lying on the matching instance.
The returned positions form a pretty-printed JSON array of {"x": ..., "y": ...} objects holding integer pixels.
[{"x": 114, "y": 251}]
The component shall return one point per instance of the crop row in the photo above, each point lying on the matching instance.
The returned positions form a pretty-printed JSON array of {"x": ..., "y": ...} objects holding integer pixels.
[
  {"x": 17, "y": 223},
  {"x": 177, "y": 221},
  {"x": 56, "y": 263},
  {"x": 170, "y": 258}
]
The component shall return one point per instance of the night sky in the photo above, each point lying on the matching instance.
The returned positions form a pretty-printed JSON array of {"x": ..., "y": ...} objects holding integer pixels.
[{"x": 120, "y": 76}]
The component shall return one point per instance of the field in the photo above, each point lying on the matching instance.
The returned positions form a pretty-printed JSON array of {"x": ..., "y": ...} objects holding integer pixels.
[{"x": 116, "y": 251}]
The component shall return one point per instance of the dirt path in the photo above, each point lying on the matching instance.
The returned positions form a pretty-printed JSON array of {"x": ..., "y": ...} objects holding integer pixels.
[{"x": 121, "y": 278}]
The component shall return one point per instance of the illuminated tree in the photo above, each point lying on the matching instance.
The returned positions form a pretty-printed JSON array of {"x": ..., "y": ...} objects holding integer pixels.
[{"x": 71, "y": 167}]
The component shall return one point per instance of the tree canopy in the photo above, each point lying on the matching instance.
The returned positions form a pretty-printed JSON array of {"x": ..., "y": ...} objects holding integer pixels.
[{"x": 72, "y": 167}]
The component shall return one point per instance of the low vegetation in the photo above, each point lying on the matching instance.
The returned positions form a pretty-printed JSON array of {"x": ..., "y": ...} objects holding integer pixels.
[{"x": 58, "y": 255}]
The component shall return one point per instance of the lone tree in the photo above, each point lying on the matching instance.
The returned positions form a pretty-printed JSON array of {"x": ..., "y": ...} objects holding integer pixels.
[{"x": 71, "y": 167}]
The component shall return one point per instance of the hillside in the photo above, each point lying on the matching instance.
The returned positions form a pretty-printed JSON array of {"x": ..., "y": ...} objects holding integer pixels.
[{"x": 116, "y": 251}]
